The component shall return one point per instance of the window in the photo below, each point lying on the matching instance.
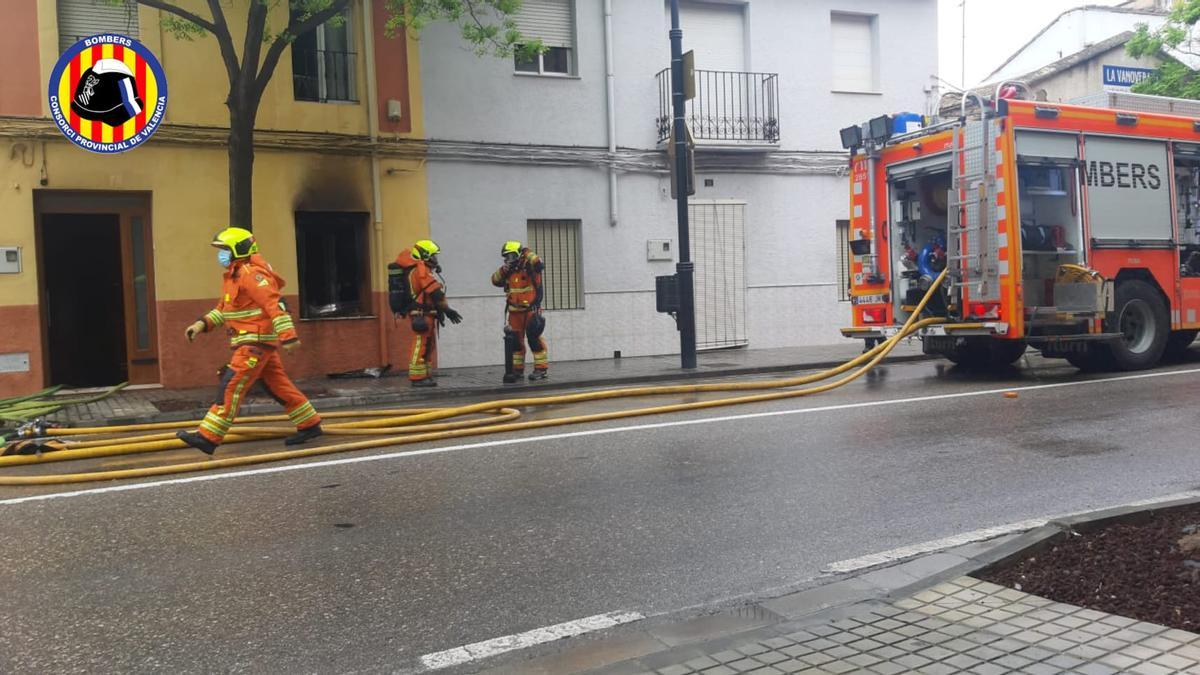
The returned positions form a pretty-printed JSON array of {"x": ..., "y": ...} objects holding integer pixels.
[
  {"x": 78, "y": 19},
  {"x": 558, "y": 244},
  {"x": 843, "y": 260},
  {"x": 332, "y": 256},
  {"x": 323, "y": 62},
  {"x": 854, "y": 51},
  {"x": 552, "y": 22}
]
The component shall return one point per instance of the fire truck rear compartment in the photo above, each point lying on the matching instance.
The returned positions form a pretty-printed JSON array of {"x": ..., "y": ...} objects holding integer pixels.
[
  {"x": 918, "y": 217},
  {"x": 1051, "y": 232}
]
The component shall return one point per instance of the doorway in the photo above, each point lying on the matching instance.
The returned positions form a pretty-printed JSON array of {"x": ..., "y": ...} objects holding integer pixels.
[
  {"x": 718, "y": 242},
  {"x": 95, "y": 278}
]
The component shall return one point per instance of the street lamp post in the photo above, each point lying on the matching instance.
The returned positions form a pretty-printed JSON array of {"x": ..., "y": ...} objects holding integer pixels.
[{"x": 684, "y": 269}]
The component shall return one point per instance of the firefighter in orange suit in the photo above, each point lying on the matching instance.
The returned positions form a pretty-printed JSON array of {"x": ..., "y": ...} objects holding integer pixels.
[
  {"x": 427, "y": 308},
  {"x": 257, "y": 322},
  {"x": 521, "y": 278}
]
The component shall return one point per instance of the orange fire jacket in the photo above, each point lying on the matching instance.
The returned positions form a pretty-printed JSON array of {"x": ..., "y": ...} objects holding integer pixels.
[{"x": 250, "y": 307}]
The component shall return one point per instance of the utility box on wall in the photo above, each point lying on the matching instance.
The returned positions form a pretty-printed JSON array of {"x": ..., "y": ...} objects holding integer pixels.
[
  {"x": 10, "y": 259},
  {"x": 659, "y": 249}
]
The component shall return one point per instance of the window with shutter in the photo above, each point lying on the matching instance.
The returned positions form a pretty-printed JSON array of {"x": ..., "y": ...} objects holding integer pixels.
[
  {"x": 559, "y": 244},
  {"x": 552, "y": 22},
  {"x": 854, "y": 57},
  {"x": 78, "y": 19}
]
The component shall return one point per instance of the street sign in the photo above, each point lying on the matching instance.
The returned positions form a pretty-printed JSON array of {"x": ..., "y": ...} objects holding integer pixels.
[
  {"x": 1124, "y": 76},
  {"x": 689, "y": 75}
]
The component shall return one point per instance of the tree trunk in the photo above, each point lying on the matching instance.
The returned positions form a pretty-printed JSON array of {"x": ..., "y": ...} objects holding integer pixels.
[{"x": 241, "y": 165}]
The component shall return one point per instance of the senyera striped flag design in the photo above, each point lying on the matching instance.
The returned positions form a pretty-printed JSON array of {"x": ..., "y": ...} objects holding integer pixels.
[{"x": 147, "y": 90}]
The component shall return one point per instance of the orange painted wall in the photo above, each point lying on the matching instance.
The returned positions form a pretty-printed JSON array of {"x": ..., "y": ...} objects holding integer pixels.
[
  {"x": 326, "y": 346},
  {"x": 21, "y": 90},
  {"x": 20, "y": 331}
]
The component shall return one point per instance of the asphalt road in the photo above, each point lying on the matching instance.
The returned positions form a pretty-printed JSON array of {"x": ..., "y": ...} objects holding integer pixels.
[{"x": 367, "y": 564}]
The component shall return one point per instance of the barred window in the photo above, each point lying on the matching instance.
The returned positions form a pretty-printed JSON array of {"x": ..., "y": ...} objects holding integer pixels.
[
  {"x": 843, "y": 260},
  {"x": 559, "y": 244},
  {"x": 323, "y": 61}
]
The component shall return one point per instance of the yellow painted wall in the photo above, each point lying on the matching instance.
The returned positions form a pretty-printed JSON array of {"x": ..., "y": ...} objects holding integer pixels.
[{"x": 198, "y": 81}]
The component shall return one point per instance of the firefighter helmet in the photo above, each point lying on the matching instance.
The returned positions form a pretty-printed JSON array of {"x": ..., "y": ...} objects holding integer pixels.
[
  {"x": 510, "y": 247},
  {"x": 425, "y": 249},
  {"x": 238, "y": 241}
]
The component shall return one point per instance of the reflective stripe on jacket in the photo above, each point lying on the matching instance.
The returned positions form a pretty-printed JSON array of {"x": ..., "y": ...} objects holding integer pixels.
[
  {"x": 523, "y": 283},
  {"x": 250, "y": 308}
]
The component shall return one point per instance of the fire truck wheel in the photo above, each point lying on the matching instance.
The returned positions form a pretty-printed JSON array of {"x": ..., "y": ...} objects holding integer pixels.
[
  {"x": 1141, "y": 319},
  {"x": 1178, "y": 342}
]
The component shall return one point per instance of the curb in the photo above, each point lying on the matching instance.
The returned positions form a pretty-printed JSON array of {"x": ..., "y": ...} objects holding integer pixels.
[
  {"x": 658, "y": 640},
  {"x": 405, "y": 395}
]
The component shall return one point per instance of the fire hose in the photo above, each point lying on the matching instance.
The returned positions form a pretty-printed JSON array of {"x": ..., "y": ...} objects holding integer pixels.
[{"x": 421, "y": 425}]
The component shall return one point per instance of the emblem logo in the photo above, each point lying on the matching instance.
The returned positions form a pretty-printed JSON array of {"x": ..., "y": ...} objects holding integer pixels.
[{"x": 107, "y": 93}]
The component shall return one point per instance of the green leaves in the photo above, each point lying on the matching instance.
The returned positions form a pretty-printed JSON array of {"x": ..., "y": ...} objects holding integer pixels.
[{"x": 1171, "y": 78}]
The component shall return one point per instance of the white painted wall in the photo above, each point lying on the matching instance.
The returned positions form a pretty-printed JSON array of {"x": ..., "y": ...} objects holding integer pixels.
[
  {"x": 1070, "y": 33},
  {"x": 790, "y": 247}
]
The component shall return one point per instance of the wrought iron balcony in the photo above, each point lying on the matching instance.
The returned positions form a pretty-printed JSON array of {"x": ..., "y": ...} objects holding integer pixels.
[{"x": 730, "y": 108}]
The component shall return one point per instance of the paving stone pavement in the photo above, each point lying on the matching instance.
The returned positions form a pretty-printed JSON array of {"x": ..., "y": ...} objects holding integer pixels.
[{"x": 960, "y": 626}]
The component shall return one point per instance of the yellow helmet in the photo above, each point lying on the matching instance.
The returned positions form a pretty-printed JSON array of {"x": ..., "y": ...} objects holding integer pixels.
[
  {"x": 510, "y": 247},
  {"x": 238, "y": 241},
  {"x": 425, "y": 249}
]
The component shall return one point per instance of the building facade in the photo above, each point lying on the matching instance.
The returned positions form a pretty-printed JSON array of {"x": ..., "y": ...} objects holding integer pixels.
[
  {"x": 567, "y": 153},
  {"x": 108, "y": 256}
]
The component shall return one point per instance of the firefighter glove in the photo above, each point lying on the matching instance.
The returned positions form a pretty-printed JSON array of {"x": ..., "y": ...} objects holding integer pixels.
[
  {"x": 195, "y": 328},
  {"x": 291, "y": 345},
  {"x": 454, "y": 316}
]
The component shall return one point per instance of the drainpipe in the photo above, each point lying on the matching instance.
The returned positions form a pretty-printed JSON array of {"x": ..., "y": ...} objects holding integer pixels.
[
  {"x": 611, "y": 109},
  {"x": 376, "y": 197}
]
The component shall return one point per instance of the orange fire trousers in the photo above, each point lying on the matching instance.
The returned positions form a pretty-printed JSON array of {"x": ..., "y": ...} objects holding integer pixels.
[
  {"x": 250, "y": 364},
  {"x": 517, "y": 321},
  {"x": 424, "y": 350}
]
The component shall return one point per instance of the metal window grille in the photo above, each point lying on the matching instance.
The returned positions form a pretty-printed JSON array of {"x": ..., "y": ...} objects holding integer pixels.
[
  {"x": 78, "y": 19},
  {"x": 843, "y": 260},
  {"x": 560, "y": 246},
  {"x": 333, "y": 263},
  {"x": 323, "y": 63},
  {"x": 719, "y": 252}
]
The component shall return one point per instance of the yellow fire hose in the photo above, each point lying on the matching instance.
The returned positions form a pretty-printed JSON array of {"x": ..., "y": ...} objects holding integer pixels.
[{"x": 420, "y": 425}]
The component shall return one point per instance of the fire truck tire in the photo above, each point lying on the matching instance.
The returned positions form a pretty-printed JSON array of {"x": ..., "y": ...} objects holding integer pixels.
[
  {"x": 1178, "y": 342},
  {"x": 1141, "y": 317}
]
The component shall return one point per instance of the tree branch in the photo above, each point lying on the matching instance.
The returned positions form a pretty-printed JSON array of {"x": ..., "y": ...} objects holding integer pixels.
[
  {"x": 224, "y": 40},
  {"x": 256, "y": 23},
  {"x": 289, "y": 34},
  {"x": 179, "y": 12}
]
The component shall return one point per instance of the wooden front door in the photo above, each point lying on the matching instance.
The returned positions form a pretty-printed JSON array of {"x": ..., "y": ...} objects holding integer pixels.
[{"x": 96, "y": 286}]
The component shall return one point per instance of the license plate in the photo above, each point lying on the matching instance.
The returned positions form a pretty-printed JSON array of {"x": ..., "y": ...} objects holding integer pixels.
[{"x": 867, "y": 300}]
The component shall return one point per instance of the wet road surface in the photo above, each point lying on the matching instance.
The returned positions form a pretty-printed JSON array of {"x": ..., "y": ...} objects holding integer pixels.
[{"x": 370, "y": 560}]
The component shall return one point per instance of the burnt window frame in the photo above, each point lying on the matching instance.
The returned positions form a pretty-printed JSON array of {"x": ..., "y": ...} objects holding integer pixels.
[{"x": 356, "y": 223}]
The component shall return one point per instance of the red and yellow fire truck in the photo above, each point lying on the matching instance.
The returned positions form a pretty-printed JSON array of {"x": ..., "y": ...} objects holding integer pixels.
[{"x": 1069, "y": 228}]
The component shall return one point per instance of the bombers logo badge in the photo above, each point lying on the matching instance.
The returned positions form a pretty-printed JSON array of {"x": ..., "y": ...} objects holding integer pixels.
[{"x": 107, "y": 93}]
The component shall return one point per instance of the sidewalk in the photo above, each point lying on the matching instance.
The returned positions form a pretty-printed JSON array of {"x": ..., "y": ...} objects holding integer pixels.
[
  {"x": 166, "y": 405},
  {"x": 927, "y": 616}
]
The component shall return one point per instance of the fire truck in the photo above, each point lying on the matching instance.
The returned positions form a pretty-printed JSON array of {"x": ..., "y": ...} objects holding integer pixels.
[{"x": 1072, "y": 229}]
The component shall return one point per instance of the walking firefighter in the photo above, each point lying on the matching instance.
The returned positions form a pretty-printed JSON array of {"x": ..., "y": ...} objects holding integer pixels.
[{"x": 254, "y": 316}]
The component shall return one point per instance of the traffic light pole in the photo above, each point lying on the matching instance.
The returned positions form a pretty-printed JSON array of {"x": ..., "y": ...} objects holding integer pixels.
[{"x": 684, "y": 269}]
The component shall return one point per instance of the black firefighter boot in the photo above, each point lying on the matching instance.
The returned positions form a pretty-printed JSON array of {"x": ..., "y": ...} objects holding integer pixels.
[
  {"x": 304, "y": 435},
  {"x": 194, "y": 439}
]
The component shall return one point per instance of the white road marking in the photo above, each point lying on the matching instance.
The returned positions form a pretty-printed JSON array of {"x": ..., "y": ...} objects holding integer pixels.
[
  {"x": 914, "y": 550},
  {"x": 576, "y": 434},
  {"x": 508, "y": 643}
]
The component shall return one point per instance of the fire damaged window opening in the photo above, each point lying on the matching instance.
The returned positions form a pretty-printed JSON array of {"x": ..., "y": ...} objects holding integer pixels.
[{"x": 334, "y": 264}]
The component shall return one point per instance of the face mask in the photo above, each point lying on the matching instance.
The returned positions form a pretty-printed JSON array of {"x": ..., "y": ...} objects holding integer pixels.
[{"x": 225, "y": 258}]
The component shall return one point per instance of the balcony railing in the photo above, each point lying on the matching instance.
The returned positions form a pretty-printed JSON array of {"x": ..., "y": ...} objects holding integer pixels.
[{"x": 729, "y": 108}]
